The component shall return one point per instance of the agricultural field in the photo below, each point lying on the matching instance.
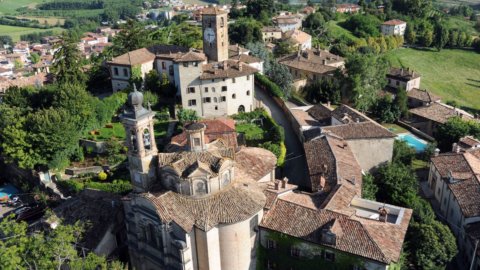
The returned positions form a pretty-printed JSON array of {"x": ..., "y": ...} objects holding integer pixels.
[
  {"x": 452, "y": 74},
  {"x": 10, "y": 6},
  {"x": 45, "y": 20},
  {"x": 15, "y": 31},
  {"x": 462, "y": 24}
]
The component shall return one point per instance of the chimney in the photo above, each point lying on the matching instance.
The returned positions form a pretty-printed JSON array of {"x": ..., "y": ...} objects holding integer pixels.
[
  {"x": 277, "y": 185},
  {"x": 357, "y": 120},
  {"x": 455, "y": 148},
  {"x": 344, "y": 144},
  {"x": 328, "y": 104},
  {"x": 436, "y": 152},
  {"x": 383, "y": 214},
  {"x": 240, "y": 66},
  {"x": 324, "y": 61},
  {"x": 284, "y": 182},
  {"x": 225, "y": 65}
]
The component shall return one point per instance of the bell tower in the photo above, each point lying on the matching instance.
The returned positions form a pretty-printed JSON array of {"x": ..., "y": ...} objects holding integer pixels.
[
  {"x": 140, "y": 139},
  {"x": 215, "y": 34}
]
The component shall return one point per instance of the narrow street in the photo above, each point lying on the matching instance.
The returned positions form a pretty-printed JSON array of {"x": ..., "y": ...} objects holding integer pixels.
[{"x": 295, "y": 168}]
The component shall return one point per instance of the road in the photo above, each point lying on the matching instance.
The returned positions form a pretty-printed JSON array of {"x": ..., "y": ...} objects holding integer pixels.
[{"x": 295, "y": 168}]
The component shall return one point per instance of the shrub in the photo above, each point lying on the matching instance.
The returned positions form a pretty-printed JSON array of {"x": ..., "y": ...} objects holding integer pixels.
[
  {"x": 102, "y": 176},
  {"x": 117, "y": 186},
  {"x": 270, "y": 86},
  {"x": 186, "y": 115}
]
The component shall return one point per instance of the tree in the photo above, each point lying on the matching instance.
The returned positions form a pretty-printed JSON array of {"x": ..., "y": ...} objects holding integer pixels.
[
  {"x": 441, "y": 36},
  {"x": 427, "y": 38},
  {"x": 325, "y": 89},
  {"x": 401, "y": 101},
  {"x": 386, "y": 110},
  {"x": 260, "y": 9},
  {"x": 186, "y": 115},
  {"x": 397, "y": 184},
  {"x": 366, "y": 75},
  {"x": 67, "y": 62},
  {"x": 454, "y": 129},
  {"x": 476, "y": 45},
  {"x": 403, "y": 153},
  {"x": 369, "y": 188},
  {"x": 34, "y": 57},
  {"x": 283, "y": 48},
  {"x": 314, "y": 24},
  {"x": 281, "y": 76},
  {"x": 152, "y": 81},
  {"x": 131, "y": 37},
  {"x": 54, "y": 249},
  {"x": 363, "y": 25},
  {"x": 435, "y": 244},
  {"x": 244, "y": 31}
]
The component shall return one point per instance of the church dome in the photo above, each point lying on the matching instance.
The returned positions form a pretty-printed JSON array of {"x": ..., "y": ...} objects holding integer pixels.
[{"x": 135, "y": 98}]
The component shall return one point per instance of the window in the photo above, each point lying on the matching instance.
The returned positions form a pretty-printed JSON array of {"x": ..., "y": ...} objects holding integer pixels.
[
  {"x": 213, "y": 80},
  {"x": 133, "y": 140},
  {"x": 170, "y": 70},
  {"x": 213, "y": 89},
  {"x": 115, "y": 71},
  {"x": 206, "y": 89},
  {"x": 234, "y": 96},
  {"x": 233, "y": 80},
  {"x": 215, "y": 100},
  {"x": 207, "y": 100},
  {"x": 271, "y": 244},
  {"x": 146, "y": 139},
  {"x": 223, "y": 99},
  {"x": 195, "y": 64},
  {"x": 192, "y": 102},
  {"x": 125, "y": 72},
  {"x": 164, "y": 66},
  {"x": 222, "y": 22},
  {"x": 295, "y": 252},
  {"x": 196, "y": 141},
  {"x": 216, "y": 108},
  {"x": 248, "y": 92},
  {"x": 185, "y": 64},
  {"x": 224, "y": 88},
  {"x": 248, "y": 77},
  {"x": 329, "y": 256},
  {"x": 190, "y": 90}
]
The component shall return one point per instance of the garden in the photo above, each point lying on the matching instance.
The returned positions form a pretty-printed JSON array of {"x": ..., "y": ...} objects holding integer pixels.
[{"x": 260, "y": 130}]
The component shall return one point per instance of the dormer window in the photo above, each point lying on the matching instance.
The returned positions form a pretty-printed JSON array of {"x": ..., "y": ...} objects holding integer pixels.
[{"x": 328, "y": 237}]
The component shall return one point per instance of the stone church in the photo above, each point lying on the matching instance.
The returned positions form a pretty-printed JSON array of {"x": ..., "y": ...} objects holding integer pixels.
[
  {"x": 216, "y": 82},
  {"x": 198, "y": 207}
]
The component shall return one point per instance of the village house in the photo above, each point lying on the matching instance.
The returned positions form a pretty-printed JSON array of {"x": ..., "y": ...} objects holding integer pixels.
[
  {"x": 429, "y": 117},
  {"x": 311, "y": 64},
  {"x": 37, "y": 80},
  {"x": 419, "y": 98},
  {"x": 288, "y": 21},
  {"x": 403, "y": 79},
  {"x": 393, "y": 27},
  {"x": 334, "y": 227},
  {"x": 346, "y": 8},
  {"x": 454, "y": 182},
  {"x": 22, "y": 47},
  {"x": 270, "y": 34},
  {"x": 298, "y": 39},
  {"x": 213, "y": 83}
]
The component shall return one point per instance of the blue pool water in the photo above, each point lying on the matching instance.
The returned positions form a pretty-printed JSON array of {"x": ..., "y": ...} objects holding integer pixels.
[
  {"x": 413, "y": 141},
  {"x": 8, "y": 189}
]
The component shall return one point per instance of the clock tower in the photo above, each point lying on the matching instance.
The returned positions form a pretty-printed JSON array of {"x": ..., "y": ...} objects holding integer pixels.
[{"x": 215, "y": 34}]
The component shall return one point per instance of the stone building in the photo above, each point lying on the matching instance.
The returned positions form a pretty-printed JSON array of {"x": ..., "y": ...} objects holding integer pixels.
[
  {"x": 403, "y": 79},
  {"x": 197, "y": 208},
  {"x": 454, "y": 183},
  {"x": 393, "y": 27},
  {"x": 213, "y": 82}
]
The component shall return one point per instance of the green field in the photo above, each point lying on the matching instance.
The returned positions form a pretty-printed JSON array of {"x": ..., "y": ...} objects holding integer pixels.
[
  {"x": 462, "y": 24},
  {"x": 15, "y": 32},
  {"x": 451, "y": 74},
  {"x": 337, "y": 31},
  {"x": 10, "y": 6}
]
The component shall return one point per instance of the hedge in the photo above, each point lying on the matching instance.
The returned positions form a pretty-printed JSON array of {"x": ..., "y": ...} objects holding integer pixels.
[{"x": 268, "y": 85}]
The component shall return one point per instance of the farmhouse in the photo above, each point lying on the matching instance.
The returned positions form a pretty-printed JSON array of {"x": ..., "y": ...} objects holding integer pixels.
[{"x": 393, "y": 27}]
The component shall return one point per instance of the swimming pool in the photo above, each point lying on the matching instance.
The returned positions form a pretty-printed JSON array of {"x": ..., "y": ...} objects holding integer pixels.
[
  {"x": 413, "y": 141},
  {"x": 8, "y": 190}
]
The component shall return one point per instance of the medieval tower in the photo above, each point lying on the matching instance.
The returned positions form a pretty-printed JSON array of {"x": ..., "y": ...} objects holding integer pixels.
[{"x": 215, "y": 34}]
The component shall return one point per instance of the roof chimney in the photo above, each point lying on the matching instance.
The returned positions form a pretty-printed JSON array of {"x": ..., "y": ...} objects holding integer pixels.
[
  {"x": 225, "y": 65},
  {"x": 240, "y": 66},
  {"x": 284, "y": 182},
  {"x": 277, "y": 185},
  {"x": 436, "y": 152},
  {"x": 456, "y": 148},
  {"x": 383, "y": 214},
  {"x": 324, "y": 61}
]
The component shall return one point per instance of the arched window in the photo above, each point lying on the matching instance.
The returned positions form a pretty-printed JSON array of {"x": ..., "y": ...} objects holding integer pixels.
[
  {"x": 226, "y": 178},
  {"x": 222, "y": 22},
  {"x": 147, "y": 139},
  {"x": 241, "y": 108},
  {"x": 133, "y": 140}
]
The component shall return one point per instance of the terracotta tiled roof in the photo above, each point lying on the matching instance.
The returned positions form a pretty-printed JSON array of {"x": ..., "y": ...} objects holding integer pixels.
[
  {"x": 235, "y": 50},
  {"x": 312, "y": 60},
  {"x": 222, "y": 128},
  {"x": 233, "y": 204},
  {"x": 213, "y": 11},
  {"x": 306, "y": 223},
  {"x": 394, "y": 22},
  {"x": 422, "y": 95},
  {"x": 297, "y": 36},
  {"x": 190, "y": 57},
  {"x": 451, "y": 162},
  {"x": 468, "y": 142},
  {"x": 271, "y": 29},
  {"x": 184, "y": 163},
  {"x": 320, "y": 112},
  {"x": 331, "y": 162},
  {"x": 439, "y": 112},
  {"x": 246, "y": 59},
  {"x": 145, "y": 55},
  {"x": 467, "y": 193},
  {"x": 363, "y": 130},
  {"x": 347, "y": 114},
  {"x": 226, "y": 69},
  {"x": 256, "y": 162},
  {"x": 402, "y": 74}
]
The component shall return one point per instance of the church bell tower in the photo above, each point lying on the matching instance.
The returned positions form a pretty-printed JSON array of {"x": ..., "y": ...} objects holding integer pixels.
[
  {"x": 215, "y": 34},
  {"x": 140, "y": 139}
]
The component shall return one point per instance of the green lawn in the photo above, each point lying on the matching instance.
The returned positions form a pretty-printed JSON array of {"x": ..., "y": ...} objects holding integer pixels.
[
  {"x": 394, "y": 128},
  {"x": 118, "y": 131},
  {"x": 252, "y": 131},
  {"x": 451, "y": 74},
  {"x": 462, "y": 24},
  {"x": 160, "y": 128},
  {"x": 15, "y": 31},
  {"x": 337, "y": 31}
]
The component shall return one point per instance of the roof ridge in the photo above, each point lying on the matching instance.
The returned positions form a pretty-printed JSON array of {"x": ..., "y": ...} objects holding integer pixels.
[{"x": 386, "y": 259}]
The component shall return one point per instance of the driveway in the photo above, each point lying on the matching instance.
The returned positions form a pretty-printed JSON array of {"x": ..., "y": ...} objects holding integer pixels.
[{"x": 295, "y": 168}]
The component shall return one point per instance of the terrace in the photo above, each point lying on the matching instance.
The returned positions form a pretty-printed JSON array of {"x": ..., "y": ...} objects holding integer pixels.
[{"x": 370, "y": 210}]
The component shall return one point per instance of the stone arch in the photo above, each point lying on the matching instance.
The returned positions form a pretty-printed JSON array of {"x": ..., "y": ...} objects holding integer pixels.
[{"x": 241, "y": 108}]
